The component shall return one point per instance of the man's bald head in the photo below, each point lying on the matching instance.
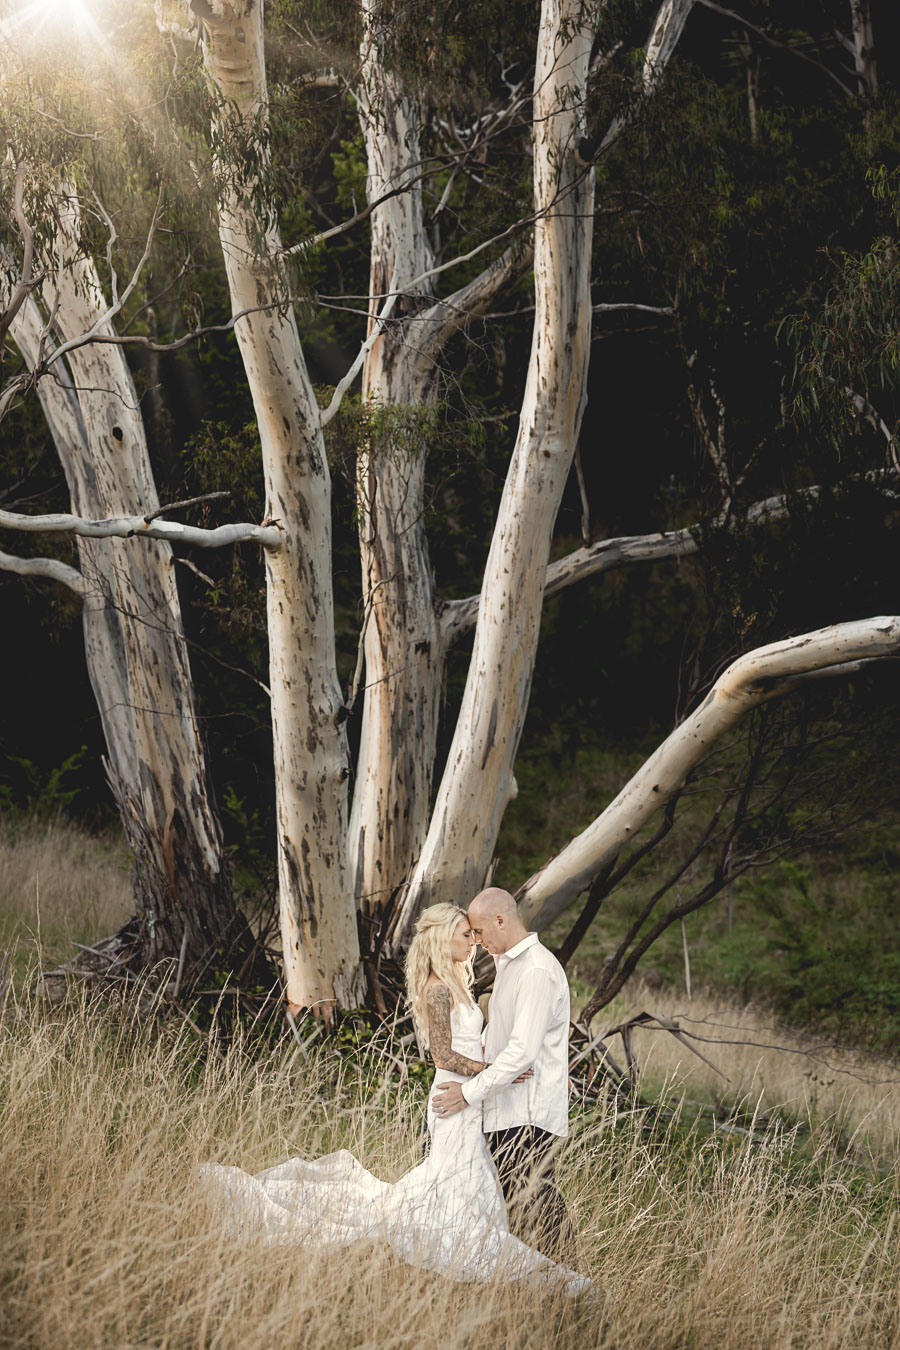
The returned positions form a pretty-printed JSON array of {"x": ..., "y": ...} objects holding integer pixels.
[
  {"x": 494, "y": 920},
  {"x": 491, "y": 903}
]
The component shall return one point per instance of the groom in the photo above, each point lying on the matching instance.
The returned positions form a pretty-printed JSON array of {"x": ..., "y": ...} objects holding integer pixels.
[{"x": 528, "y": 1028}]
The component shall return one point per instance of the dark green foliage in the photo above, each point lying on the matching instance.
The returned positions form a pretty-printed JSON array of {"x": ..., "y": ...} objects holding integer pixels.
[
  {"x": 26, "y": 787},
  {"x": 847, "y": 372}
]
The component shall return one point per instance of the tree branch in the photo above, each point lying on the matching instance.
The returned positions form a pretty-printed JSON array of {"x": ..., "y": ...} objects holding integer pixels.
[
  {"x": 377, "y": 330},
  {"x": 667, "y": 28},
  {"x": 760, "y": 675},
  {"x": 668, "y": 310},
  {"x": 450, "y": 316},
  {"x": 304, "y": 245},
  {"x": 42, "y": 363},
  {"x": 26, "y": 282},
  {"x": 458, "y": 616},
  {"x": 774, "y": 42},
  {"x": 127, "y": 527},
  {"x": 874, "y": 418},
  {"x": 50, "y": 568},
  {"x": 141, "y": 340},
  {"x": 115, "y": 308},
  {"x": 187, "y": 501}
]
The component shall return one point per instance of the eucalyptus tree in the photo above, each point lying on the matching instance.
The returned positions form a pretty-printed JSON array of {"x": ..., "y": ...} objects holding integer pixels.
[
  {"x": 405, "y": 840},
  {"x": 57, "y": 315}
]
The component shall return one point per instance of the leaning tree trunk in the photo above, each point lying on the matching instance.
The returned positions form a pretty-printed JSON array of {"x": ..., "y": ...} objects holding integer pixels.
[
  {"x": 134, "y": 645},
  {"x": 478, "y": 780},
  {"x": 318, "y": 918},
  {"x": 754, "y": 678}
]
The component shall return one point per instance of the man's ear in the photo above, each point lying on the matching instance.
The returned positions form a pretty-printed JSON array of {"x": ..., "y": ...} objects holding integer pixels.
[{"x": 500, "y": 921}]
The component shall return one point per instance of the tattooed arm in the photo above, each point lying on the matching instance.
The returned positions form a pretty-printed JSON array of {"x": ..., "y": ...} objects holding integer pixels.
[{"x": 437, "y": 1001}]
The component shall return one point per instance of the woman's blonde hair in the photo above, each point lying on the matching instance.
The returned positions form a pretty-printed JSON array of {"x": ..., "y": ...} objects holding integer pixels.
[{"x": 429, "y": 954}]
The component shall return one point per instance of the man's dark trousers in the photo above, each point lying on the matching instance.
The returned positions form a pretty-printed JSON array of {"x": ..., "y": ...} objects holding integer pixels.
[{"x": 537, "y": 1211}]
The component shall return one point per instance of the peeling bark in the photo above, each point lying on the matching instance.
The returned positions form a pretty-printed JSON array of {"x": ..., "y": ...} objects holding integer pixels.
[
  {"x": 134, "y": 646},
  {"x": 405, "y": 647},
  {"x": 478, "y": 781},
  {"x": 318, "y": 919}
]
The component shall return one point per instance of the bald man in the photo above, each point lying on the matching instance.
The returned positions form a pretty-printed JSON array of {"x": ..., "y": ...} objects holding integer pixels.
[{"x": 528, "y": 1028}]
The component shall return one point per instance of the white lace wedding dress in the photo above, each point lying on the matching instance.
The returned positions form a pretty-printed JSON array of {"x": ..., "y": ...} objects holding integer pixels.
[{"x": 447, "y": 1215}]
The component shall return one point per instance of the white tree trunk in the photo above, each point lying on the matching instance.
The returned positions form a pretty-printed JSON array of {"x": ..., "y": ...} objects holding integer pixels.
[
  {"x": 403, "y": 648},
  {"x": 318, "y": 918},
  {"x": 478, "y": 780},
  {"x": 766, "y": 673},
  {"x": 134, "y": 645},
  {"x": 863, "y": 46}
]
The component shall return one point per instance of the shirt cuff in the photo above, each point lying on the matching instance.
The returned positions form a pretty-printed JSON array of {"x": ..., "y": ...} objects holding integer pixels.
[{"x": 469, "y": 1089}]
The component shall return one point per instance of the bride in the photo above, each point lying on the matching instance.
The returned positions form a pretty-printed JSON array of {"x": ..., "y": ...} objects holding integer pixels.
[{"x": 448, "y": 1214}]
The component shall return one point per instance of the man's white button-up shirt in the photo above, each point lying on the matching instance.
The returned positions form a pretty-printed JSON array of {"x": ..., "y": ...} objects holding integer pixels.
[{"x": 528, "y": 1028}]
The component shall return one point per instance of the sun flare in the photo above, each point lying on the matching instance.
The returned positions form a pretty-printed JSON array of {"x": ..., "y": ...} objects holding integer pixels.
[{"x": 40, "y": 19}]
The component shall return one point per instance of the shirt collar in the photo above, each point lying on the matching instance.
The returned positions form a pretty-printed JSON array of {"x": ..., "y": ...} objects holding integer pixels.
[{"x": 505, "y": 957}]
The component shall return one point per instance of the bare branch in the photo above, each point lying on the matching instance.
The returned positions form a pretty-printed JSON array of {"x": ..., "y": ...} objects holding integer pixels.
[
  {"x": 458, "y": 616},
  {"x": 26, "y": 282},
  {"x": 115, "y": 308},
  {"x": 452, "y": 315},
  {"x": 585, "y": 504},
  {"x": 192, "y": 566},
  {"x": 127, "y": 527},
  {"x": 874, "y": 418},
  {"x": 41, "y": 363},
  {"x": 377, "y": 330},
  {"x": 188, "y": 501},
  {"x": 667, "y": 28},
  {"x": 140, "y": 340},
  {"x": 50, "y": 568},
  {"x": 778, "y": 45},
  {"x": 760, "y": 675},
  {"x": 668, "y": 310},
  {"x": 314, "y": 240}
]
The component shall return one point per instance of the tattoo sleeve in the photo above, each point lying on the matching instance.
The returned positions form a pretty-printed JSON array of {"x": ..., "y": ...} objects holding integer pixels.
[{"x": 437, "y": 1000}]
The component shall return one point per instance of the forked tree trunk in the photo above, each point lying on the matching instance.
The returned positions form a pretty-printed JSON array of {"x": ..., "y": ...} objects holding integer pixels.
[
  {"x": 318, "y": 918},
  {"x": 406, "y": 638},
  {"x": 134, "y": 645},
  {"x": 478, "y": 780}
]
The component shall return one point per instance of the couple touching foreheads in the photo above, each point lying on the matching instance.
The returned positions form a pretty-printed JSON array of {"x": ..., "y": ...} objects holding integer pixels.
[{"x": 484, "y": 1204}]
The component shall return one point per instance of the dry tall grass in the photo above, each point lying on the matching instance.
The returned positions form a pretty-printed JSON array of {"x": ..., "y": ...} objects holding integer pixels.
[
  {"x": 764, "y": 1068},
  {"x": 695, "y": 1238},
  {"x": 58, "y": 886}
]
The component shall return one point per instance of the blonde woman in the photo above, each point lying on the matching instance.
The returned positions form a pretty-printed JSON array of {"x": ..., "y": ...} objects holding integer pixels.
[
  {"x": 448, "y": 1214},
  {"x": 448, "y": 1022}
]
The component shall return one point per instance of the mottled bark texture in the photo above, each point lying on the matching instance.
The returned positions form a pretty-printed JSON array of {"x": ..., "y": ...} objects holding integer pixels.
[
  {"x": 134, "y": 644},
  {"x": 318, "y": 916},
  {"x": 405, "y": 640},
  {"x": 478, "y": 780}
]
